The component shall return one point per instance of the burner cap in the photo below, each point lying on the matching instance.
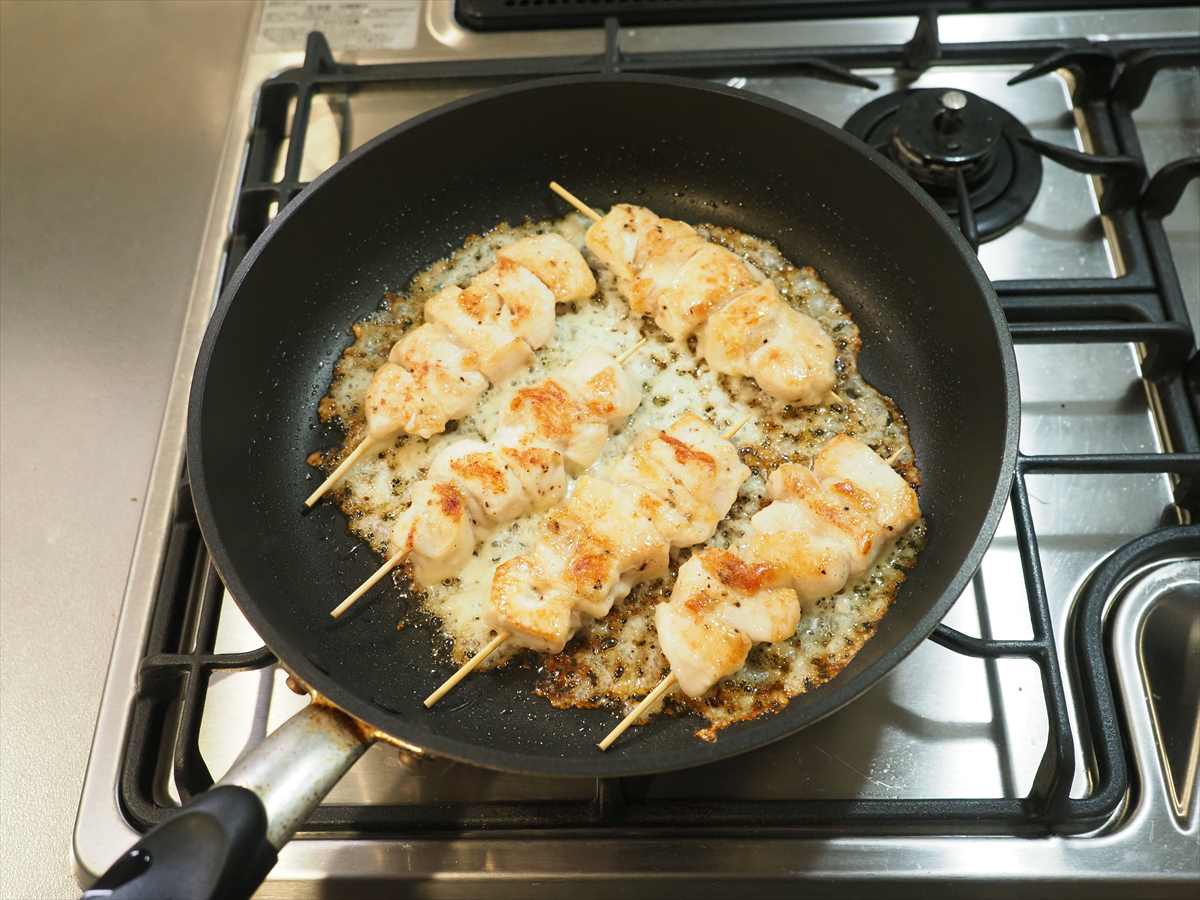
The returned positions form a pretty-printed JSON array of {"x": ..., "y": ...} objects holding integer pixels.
[
  {"x": 934, "y": 134},
  {"x": 938, "y": 132}
]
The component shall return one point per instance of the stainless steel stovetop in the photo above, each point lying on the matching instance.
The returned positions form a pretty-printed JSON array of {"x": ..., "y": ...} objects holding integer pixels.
[{"x": 942, "y": 724}]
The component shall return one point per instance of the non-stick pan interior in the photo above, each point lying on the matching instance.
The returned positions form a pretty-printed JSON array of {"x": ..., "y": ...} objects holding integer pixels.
[{"x": 932, "y": 339}]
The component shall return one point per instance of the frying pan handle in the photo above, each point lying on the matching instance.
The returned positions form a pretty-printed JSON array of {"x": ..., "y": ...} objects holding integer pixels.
[{"x": 224, "y": 842}]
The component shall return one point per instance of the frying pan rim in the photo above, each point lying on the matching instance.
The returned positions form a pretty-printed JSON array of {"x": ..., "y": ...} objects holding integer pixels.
[{"x": 741, "y": 738}]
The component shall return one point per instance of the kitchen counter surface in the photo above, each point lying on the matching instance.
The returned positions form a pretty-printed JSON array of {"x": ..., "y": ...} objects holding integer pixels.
[{"x": 112, "y": 117}]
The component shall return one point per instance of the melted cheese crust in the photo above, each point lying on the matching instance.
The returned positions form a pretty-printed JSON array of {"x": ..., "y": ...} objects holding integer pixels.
[{"x": 615, "y": 661}]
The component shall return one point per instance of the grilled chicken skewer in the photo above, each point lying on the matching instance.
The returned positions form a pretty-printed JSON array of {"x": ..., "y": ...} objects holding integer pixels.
[
  {"x": 671, "y": 489},
  {"x": 825, "y": 527},
  {"x": 689, "y": 285},
  {"x": 483, "y": 333},
  {"x": 546, "y": 429}
]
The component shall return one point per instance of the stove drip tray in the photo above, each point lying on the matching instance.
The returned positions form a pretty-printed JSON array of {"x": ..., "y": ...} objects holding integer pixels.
[{"x": 943, "y": 136}]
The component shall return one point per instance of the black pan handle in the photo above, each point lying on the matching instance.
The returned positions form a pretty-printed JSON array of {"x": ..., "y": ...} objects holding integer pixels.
[{"x": 222, "y": 845}]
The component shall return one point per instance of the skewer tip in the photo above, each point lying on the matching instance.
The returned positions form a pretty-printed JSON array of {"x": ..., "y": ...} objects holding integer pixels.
[
  {"x": 575, "y": 201},
  {"x": 390, "y": 563},
  {"x": 628, "y": 354},
  {"x": 737, "y": 426},
  {"x": 668, "y": 682},
  {"x": 466, "y": 668}
]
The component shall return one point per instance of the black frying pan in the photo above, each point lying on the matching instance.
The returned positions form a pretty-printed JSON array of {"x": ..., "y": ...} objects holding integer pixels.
[{"x": 934, "y": 339}]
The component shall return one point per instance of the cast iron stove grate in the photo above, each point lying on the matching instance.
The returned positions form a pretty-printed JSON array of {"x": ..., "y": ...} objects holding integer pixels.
[
  {"x": 512, "y": 15},
  {"x": 1144, "y": 305}
]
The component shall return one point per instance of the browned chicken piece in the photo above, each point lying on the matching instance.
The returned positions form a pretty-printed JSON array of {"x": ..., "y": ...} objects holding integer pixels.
[
  {"x": 690, "y": 477},
  {"x": 400, "y": 401},
  {"x": 883, "y": 493},
  {"x": 487, "y": 332},
  {"x": 481, "y": 322},
  {"x": 701, "y": 286},
  {"x": 760, "y": 336},
  {"x": 556, "y": 263},
  {"x": 602, "y": 387},
  {"x": 590, "y": 553},
  {"x": 719, "y": 608},
  {"x": 662, "y": 257},
  {"x": 494, "y": 492},
  {"x": 852, "y": 490},
  {"x": 523, "y": 468},
  {"x": 435, "y": 532},
  {"x": 542, "y": 474},
  {"x": 574, "y": 413},
  {"x": 527, "y": 298},
  {"x": 595, "y": 547},
  {"x": 445, "y": 383},
  {"x": 531, "y": 618},
  {"x": 616, "y": 238}
]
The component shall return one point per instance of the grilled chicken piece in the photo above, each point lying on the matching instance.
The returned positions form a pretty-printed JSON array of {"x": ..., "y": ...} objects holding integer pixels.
[
  {"x": 611, "y": 534},
  {"x": 663, "y": 252},
  {"x": 615, "y": 239},
  {"x": 758, "y": 335},
  {"x": 824, "y": 526},
  {"x": 702, "y": 286},
  {"x": 719, "y": 608},
  {"x": 527, "y": 298},
  {"x": 389, "y": 402},
  {"x": 667, "y": 270},
  {"x": 446, "y": 372},
  {"x": 422, "y": 403},
  {"x": 597, "y": 546},
  {"x": 433, "y": 345},
  {"x": 487, "y": 332},
  {"x": 690, "y": 476},
  {"x": 881, "y": 490},
  {"x": 494, "y": 492},
  {"x": 601, "y": 385},
  {"x": 556, "y": 263},
  {"x": 812, "y": 553},
  {"x": 792, "y": 481},
  {"x": 435, "y": 532},
  {"x": 481, "y": 322},
  {"x": 591, "y": 552},
  {"x": 541, "y": 472},
  {"x": 546, "y": 415},
  {"x": 516, "y": 605},
  {"x": 575, "y": 413},
  {"x": 851, "y": 503}
]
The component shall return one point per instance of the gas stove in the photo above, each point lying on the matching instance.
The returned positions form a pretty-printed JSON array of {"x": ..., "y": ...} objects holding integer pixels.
[{"x": 1048, "y": 734}]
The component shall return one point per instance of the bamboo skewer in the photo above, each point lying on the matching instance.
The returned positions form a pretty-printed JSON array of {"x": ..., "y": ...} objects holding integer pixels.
[
  {"x": 336, "y": 475},
  {"x": 663, "y": 686},
  {"x": 575, "y": 201},
  {"x": 624, "y": 357},
  {"x": 375, "y": 578},
  {"x": 397, "y": 558},
  {"x": 471, "y": 664},
  {"x": 467, "y": 668}
]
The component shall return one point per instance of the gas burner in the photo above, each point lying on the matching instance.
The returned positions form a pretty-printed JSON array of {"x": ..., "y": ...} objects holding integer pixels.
[{"x": 942, "y": 137}]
